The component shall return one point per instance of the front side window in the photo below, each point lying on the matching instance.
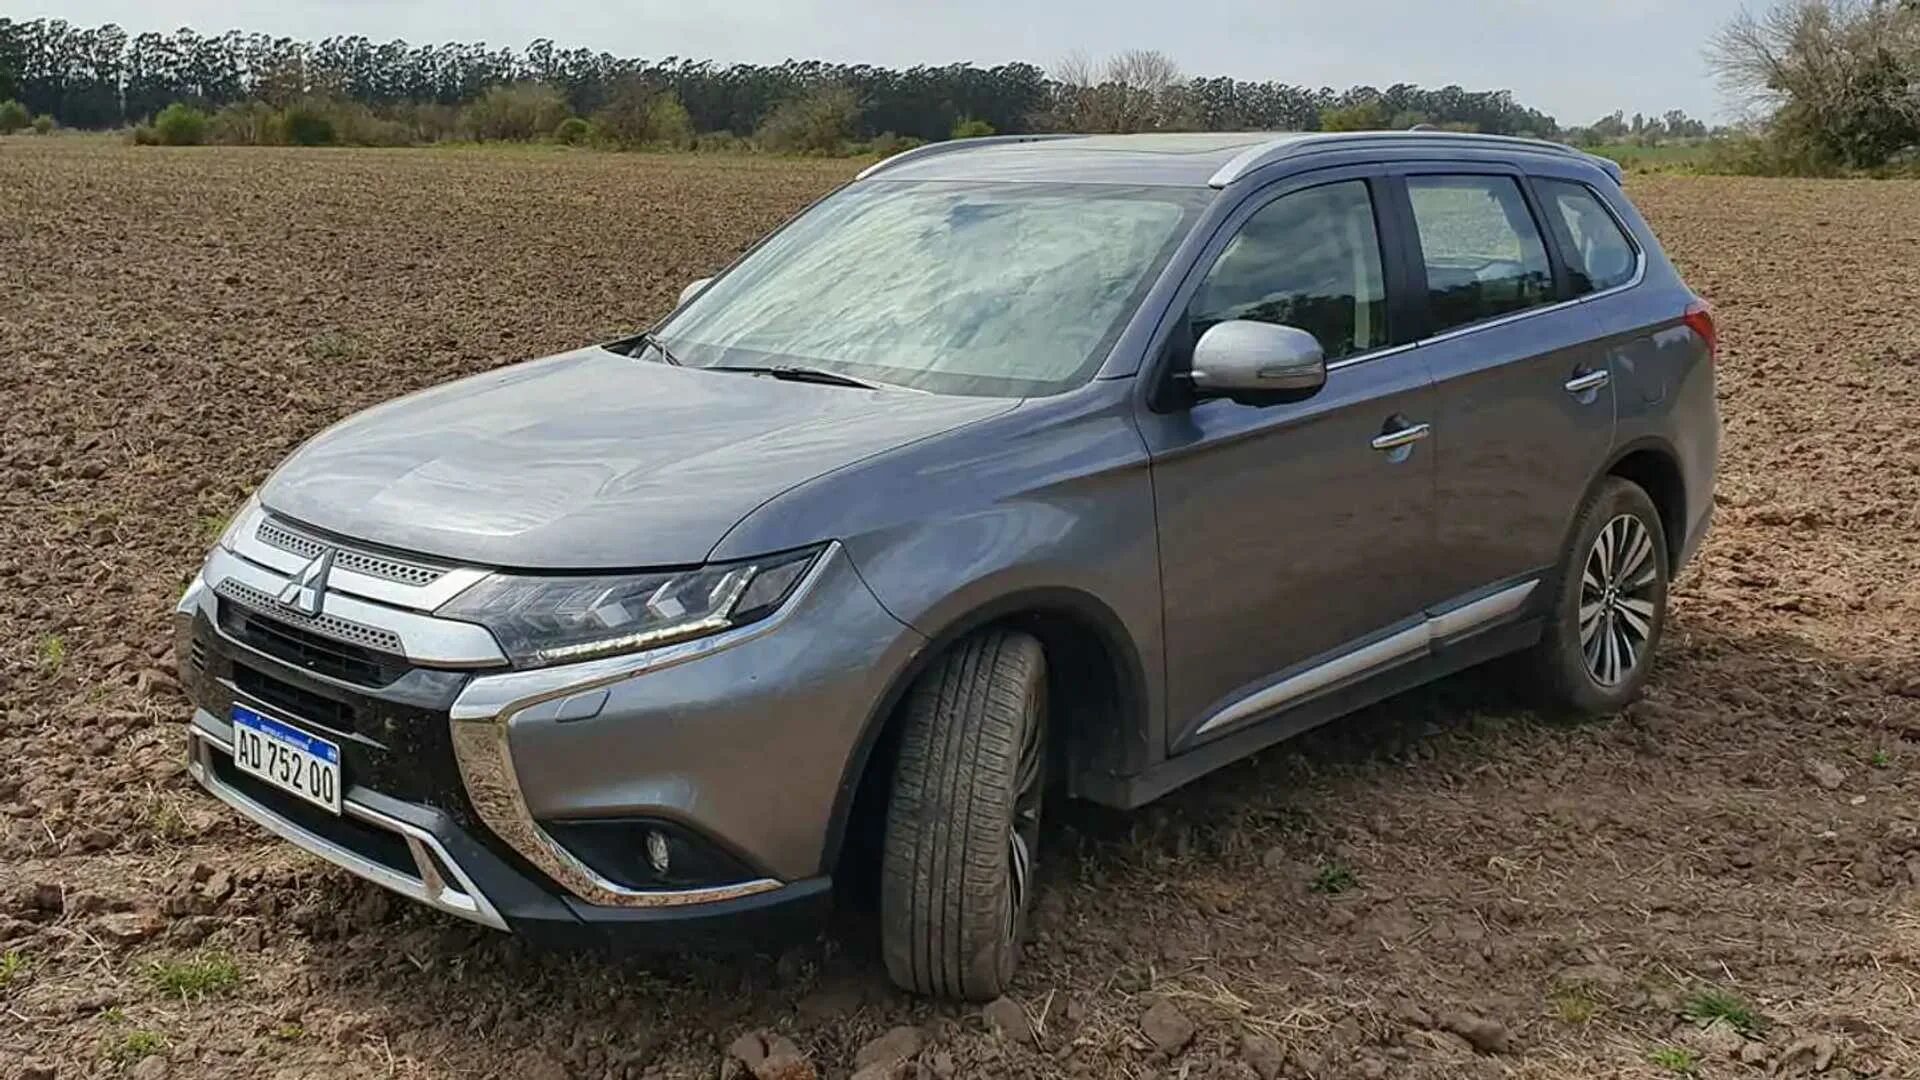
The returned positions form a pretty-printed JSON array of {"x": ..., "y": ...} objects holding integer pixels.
[
  {"x": 1483, "y": 253},
  {"x": 1601, "y": 255},
  {"x": 991, "y": 289},
  {"x": 1309, "y": 260}
]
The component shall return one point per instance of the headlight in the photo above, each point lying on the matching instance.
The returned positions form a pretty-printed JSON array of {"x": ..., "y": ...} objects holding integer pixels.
[
  {"x": 230, "y": 535},
  {"x": 561, "y": 619}
]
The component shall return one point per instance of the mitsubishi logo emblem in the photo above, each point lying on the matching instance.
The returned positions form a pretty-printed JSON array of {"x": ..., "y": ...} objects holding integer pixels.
[{"x": 308, "y": 587}]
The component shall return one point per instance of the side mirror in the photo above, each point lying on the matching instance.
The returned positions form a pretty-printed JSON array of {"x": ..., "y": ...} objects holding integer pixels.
[
  {"x": 1258, "y": 363},
  {"x": 693, "y": 289}
]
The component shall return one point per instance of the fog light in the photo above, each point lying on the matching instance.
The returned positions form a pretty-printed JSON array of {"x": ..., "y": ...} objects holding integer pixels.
[{"x": 658, "y": 853}]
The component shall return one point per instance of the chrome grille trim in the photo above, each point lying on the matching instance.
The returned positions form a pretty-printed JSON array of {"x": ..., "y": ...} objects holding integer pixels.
[
  {"x": 461, "y": 896},
  {"x": 278, "y": 534},
  {"x": 285, "y": 549},
  {"x": 424, "y": 640},
  {"x": 331, "y": 626}
]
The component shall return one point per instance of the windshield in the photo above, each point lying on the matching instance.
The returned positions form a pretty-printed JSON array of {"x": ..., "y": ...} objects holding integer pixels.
[{"x": 990, "y": 289}]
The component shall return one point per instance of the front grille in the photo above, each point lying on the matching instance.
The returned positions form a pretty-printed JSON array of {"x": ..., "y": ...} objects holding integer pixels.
[
  {"x": 337, "y": 716},
  {"x": 317, "y": 653},
  {"x": 331, "y": 626},
  {"x": 393, "y": 737},
  {"x": 418, "y": 575}
]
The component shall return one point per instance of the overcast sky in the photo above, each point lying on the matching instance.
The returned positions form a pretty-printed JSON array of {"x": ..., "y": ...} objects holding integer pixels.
[{"x": 1575, "y": 59}]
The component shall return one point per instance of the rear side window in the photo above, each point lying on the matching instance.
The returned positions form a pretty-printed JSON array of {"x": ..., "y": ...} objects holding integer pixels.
[
  {"x": 1600, "y": 255},
  {"x": 1483, "y": 252},
  {"x": 1309, "y": 260}
]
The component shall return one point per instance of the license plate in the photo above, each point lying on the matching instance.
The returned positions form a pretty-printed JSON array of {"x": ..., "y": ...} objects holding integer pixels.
[{"x": 286, "y": 757}]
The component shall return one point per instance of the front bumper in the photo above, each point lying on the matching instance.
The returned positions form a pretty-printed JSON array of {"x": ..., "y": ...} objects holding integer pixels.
[
  {"x": 453, "y": 774},
  {"x": 422, "y": 854}
]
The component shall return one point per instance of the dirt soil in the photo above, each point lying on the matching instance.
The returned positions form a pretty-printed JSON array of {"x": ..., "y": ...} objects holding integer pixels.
[{"x": 1724, "y": 880}]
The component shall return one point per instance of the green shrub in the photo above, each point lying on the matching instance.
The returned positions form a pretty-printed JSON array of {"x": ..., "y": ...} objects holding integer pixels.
[
  {"x": 306, "y": 124},
  {"x": 13, "y": 116},
  {"x": 968, "y": 128},
  {"x": 426, "y": 122},
  {"x": 720, "y": 142},
  {"x": 44, "y": 124},
  {"x": 887, "y": 144},
  {"x": 1775, "y": 153},
  {"x": 356, "y": 125},
  {"x": 638, "y": 115},
  {"x": 144, "y": 135},
  {"x": 245, "y": 123},
  {"x": 572, "y": 131},
  {"x": 820, "y": 121},
  {"x": 516, "y": 113},
  {"x": 1362, "y": 116},
  {"x": 180, "y": 124}
]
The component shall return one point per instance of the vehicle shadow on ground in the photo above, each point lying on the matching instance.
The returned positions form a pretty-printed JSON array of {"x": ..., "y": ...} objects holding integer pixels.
[{"x": 458, "y": 979}]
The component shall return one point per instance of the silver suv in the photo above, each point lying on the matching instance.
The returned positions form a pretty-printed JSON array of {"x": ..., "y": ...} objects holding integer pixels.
[{"x": 1077, "y": 465}]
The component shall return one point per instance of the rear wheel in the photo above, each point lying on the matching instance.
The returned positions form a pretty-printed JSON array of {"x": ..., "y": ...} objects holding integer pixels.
[
  {"x": 963, "y": 823},
  {"x": 1610, "y": 606}
]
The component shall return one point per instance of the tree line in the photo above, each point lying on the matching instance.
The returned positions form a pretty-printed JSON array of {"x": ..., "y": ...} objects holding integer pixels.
[{"x": 103, "y": 77}]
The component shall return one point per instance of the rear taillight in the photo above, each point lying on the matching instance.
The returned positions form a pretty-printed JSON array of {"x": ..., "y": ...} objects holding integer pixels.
[{"x": 1699, "y": 319}]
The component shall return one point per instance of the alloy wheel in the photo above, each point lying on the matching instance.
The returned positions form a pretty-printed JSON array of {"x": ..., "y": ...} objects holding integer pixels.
[
  {"x": 1023, "y": 831},
  {"x": 1617, "y": 609}
]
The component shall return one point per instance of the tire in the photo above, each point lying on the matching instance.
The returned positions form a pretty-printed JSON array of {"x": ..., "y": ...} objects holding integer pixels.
[
  {"x": 1600, "y": 666},
  {"x": 965, "y": 809}
]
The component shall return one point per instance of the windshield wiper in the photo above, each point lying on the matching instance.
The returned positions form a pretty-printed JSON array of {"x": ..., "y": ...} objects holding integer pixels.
[
  {"x": 652, "y": 340},
  {"x": 798, "y": 373}
]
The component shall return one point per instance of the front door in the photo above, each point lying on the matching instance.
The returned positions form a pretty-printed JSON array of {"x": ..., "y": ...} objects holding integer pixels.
[
  {"x": 1291, "y": 534},
  {"x": 1525, "y": 413}
]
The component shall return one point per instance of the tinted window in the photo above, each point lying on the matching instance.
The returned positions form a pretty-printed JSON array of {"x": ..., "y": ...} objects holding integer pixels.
[
  {"x": 1483, "y": 252},
  {"x": 1310, "y": 260},
  {"x": 1601, "y": 256},
  {"x": 957, "y": 288}
]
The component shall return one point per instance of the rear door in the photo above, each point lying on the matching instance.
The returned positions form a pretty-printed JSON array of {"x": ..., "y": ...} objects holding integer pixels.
[{"x": 1524, "y": 409}]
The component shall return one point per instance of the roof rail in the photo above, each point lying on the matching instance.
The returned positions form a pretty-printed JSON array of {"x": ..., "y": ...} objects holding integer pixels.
[
  {"x": 1254, "y": 157},
  {"x": 950, "y": 145}
]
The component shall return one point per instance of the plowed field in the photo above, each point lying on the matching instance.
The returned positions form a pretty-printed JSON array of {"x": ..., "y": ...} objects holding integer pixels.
[{"x": 1446, "y": 885}]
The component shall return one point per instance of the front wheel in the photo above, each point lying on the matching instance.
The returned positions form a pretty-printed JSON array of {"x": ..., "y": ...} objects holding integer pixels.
[
  {"x": 1610, "y": 605},
  {"x": 963, "y": 824}
]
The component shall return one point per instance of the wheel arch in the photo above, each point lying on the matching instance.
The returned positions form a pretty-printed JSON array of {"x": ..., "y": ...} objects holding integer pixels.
[
  {"x": 1654, "y": 465},
  {"x": 1087, "y": 647}
]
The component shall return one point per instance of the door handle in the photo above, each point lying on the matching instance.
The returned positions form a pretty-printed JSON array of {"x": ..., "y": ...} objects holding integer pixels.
[
  {"x": 1592, "y": 380},
  {"x": 1412, "y": 433}
]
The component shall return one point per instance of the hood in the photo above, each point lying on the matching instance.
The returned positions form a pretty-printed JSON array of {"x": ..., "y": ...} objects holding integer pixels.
[{"x": 590, "y": 460}]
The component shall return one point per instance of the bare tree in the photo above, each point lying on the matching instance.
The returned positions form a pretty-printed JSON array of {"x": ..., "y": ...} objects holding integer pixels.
[
  {"x": 1839, "y": 76},
  {"x": 1136, "y": 90}
]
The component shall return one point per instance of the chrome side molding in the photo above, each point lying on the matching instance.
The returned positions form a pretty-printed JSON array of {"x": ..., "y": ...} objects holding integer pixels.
[{"x": 1376, "y": 655}]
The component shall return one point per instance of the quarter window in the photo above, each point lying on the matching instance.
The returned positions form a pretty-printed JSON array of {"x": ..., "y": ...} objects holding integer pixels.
[
  {"x": 1483, "y": 253},
  {"x": 1309, "y": 260},
  {"x": 1601, "y": 255}
]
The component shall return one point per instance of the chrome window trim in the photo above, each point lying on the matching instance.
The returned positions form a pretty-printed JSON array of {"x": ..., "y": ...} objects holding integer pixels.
[
  {"x": 427, "y": 641},
  {"x": 461, "y": 897},
  {"x": 1432, "y": 630},
  {"x": 451, "y": 582},
  {"x": 1371, "y": 355},
  {"x": 1639, "y": 275},
  {"x": 483, "y": 714}
]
